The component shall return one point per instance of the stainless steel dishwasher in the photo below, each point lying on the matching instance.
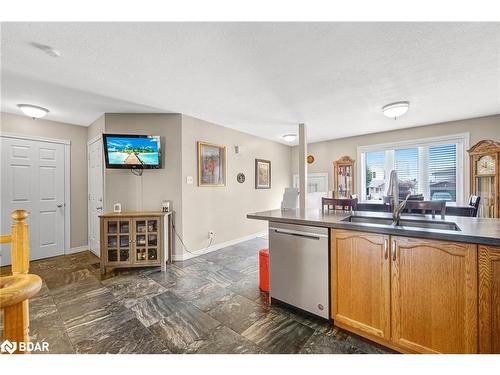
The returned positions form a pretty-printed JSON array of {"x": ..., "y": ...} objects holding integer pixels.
[{"x": 298, "y": 266}]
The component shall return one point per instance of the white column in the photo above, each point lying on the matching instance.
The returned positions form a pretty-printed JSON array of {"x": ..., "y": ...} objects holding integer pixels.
[{"x": 302, "y": 167}]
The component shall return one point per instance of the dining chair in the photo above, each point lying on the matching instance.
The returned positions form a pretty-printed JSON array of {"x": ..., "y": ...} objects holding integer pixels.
[
  {"x": 425, "y": 207},
  {"x": 345, "y": 204},
  {"x": 474, "y": 202}
]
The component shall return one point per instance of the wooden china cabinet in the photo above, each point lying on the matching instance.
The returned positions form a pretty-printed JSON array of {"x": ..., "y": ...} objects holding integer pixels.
[
  {"x": 136, "y": 239},
  {"x": 343, "y": 177},
  {"x": 485, "y": 176}
]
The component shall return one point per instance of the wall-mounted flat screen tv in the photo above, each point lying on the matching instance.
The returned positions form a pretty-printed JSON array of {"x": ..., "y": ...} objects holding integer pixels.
[{"x": 129, "y": 151}]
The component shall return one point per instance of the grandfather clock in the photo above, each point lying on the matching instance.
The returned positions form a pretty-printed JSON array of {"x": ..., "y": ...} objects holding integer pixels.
[{"x": 485, "y": 176}]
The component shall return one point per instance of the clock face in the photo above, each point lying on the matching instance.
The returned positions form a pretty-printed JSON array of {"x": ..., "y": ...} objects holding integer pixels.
[{"x": 486, "y": 165}]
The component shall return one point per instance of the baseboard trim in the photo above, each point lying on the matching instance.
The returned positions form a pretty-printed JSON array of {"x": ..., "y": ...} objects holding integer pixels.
[
  {"x": 78, "y": 249},
  {"x": 197, "y": 253}
]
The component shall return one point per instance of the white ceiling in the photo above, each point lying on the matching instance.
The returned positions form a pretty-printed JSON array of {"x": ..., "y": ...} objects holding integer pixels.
[{"x": 260, "y": 78}]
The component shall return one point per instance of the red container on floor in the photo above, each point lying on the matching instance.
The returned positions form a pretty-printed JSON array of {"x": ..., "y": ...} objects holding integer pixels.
[{"x": 264, "y": 270}]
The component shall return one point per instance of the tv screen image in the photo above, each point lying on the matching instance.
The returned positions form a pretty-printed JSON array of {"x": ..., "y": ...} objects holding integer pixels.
[{"x": 132, "y": 151}]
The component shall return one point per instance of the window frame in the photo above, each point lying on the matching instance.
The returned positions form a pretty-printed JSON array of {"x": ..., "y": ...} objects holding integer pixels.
[{"x": 462, "y": 141}]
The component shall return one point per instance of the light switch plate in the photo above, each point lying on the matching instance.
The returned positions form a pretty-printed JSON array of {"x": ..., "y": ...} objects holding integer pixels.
[{"x": 189, "y": 180}]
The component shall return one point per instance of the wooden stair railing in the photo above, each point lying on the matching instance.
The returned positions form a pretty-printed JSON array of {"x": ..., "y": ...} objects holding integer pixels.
[{"x": 15, "y": 290}]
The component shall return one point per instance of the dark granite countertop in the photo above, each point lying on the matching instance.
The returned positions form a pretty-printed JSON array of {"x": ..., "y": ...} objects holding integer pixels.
[{"x": 472, "y": 230}]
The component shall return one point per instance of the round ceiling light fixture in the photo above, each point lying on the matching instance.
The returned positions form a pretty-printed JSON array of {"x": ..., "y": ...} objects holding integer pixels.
[
  {"x": 33, "y": 111},
  {"x": 290, "y": 137},
  {"x": 395, "y": 110}
]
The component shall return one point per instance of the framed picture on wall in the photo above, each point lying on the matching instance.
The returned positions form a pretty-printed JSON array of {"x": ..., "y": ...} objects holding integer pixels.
[
  {"x": 211, "y": 164},
  {"x": 262, "y": 174}
]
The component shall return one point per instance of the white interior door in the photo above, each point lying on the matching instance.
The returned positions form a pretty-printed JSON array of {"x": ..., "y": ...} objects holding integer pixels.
[
  {"x": 96, "y": 187},
  {"x": 33, "y": 179}
]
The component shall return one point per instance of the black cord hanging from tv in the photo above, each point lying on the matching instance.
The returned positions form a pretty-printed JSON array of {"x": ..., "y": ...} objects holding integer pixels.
[{"x": 138, "y": 171}]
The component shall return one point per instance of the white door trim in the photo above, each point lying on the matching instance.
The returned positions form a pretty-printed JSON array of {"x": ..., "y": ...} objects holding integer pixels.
[
  {"x": 34, "y": 138},
  {"x": 67, "y": 181},
  {"x": 89, "y": 214},
  {"x": 94, "y": 139}
]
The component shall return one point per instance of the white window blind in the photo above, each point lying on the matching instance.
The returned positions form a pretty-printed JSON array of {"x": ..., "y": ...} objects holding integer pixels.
[
  {"x": 406, "y": 164},
  {"x": 442, "y": 167}
]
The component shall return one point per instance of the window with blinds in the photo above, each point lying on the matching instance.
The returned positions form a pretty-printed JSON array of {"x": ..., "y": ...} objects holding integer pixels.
[
  {"x": 406, "y": 164},
  {"x": 442, "y": 167},
  {"x": 433, "y": 167}
]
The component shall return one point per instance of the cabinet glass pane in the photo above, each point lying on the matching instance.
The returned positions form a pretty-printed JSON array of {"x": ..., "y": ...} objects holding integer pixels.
[
  {"x": 140, "y": 240},
  {"x": 112, "y": 227},
  {"x": 141, "y": 254},
  {"x": 486, "y": 190},
  {"x": 152, "y": 225},
  {"x": 124, "y": 241},
  {"x": 152, "y": 254},
  {"x": 124, "y": 255},
  {"x": 112, "y": 241},
  {"x": 112, "y": 255},
  {"x": 152, "y": 240},
  {"x": 140, "y": 226},
  {"x": 124, "y": 227}
]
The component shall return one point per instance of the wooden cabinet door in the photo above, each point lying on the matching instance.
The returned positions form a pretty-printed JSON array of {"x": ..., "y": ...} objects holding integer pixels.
[
  {"x": 489, "y": 299},
  {"x": 434, "y": 296},
  {"x": 118, "y": 240},
  {"x": 147, "y": 240},
  {"x": 361, "y": 282}
]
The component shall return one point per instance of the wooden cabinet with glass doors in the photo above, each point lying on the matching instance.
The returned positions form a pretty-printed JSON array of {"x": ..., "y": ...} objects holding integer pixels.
[
  {"x": 343, "y": 178},
  {"x": 485, "y": 177},
  {"x": 136, "y": 239}
]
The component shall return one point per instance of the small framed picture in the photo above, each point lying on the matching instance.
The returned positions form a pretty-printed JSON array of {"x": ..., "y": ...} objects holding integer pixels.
[
  {"x": 211, "y": 164},
  {"x": 262, "y": 174}
]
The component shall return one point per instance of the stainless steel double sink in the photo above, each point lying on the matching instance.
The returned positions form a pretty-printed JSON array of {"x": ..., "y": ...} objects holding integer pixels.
[{"x": 414, "y": 223}]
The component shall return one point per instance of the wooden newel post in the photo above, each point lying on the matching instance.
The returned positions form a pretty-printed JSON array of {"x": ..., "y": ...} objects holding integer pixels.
[
  {"x": 20, "y": 242},
  {"x": 18, "y": 315}
]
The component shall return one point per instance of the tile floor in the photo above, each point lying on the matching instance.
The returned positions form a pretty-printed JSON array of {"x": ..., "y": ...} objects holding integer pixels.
[{"x": 208, "y": 304}]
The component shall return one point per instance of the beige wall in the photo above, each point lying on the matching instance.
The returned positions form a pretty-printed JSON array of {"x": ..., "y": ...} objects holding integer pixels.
[
  {"x": 147, "y": 192},
  {"x": 328, "y": 151},
  {"x": 224, "y": 209},
  {"x": 11, "y": 123}
]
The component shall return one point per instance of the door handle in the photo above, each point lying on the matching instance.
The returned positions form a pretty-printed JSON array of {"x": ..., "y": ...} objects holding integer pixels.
[
  {"x": 394, "y": 250},
  {"x": 99, "y": 208},
  {"x": 59, "y": 205},
  {"x": 386, "y": 248}
]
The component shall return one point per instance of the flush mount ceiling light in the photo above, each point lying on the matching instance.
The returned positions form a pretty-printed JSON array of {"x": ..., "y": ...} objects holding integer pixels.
[
  {"x": 290, "y": 137},
  {"x": 33, "y": 111},
  {"x": 395, "y": 110}
]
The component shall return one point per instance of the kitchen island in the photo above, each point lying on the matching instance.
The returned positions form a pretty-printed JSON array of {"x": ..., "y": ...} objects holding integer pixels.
[{"x": 429, "y": 285}]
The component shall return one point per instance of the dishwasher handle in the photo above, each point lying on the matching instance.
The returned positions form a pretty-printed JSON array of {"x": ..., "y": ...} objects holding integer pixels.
[{"x": 312, "y": 236}]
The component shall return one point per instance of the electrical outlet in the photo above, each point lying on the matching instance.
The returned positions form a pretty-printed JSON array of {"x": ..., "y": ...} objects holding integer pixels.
[{"x": 211, "y": 234}]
